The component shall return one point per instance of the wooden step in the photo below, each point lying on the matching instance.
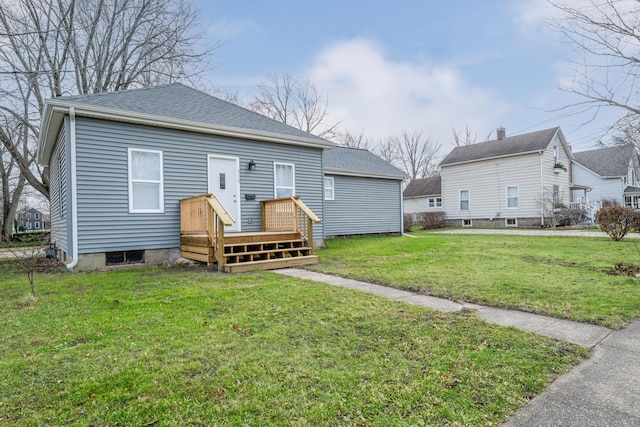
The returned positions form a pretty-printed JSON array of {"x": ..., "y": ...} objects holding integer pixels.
[{"x": 270, "y": 264}]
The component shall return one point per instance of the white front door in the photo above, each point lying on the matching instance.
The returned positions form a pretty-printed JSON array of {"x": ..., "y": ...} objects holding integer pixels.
[{"x": 224, "y": 183}]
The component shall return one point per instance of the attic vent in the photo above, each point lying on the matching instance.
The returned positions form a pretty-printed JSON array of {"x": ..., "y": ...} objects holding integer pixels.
[{"x": 501, "y": 133}]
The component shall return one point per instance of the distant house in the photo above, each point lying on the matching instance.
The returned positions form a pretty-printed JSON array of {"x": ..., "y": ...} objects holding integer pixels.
[
  {"x": 423, "y": 195},
  {"x": 610, "y": 173},
  {"x": 31, "y": 220},
  {"x": 514, "y": 181},
  {"x": 362, "y": 193},
  {"x": 147, "y": 175}
]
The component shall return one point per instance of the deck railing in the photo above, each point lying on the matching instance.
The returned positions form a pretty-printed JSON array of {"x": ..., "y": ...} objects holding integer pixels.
[
  {"x": 289, "y": 214},
  {"x": 206, "y": 214}
]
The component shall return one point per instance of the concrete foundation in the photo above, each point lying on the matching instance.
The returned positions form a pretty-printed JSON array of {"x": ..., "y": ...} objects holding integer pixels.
[
  {"x": 494, "y": 223},
  {"x": 97, "y": 260}
]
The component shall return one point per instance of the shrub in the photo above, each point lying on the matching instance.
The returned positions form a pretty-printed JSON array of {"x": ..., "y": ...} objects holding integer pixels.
[
  {"x": 610, "y": 202},
  {"x": 616, "y": 221},
  {"x": 409, "y": 220},
  {"x": 431, "y": 220},
  {"x": 567, "y": 216},
  {"x": 31, "y": 236}
]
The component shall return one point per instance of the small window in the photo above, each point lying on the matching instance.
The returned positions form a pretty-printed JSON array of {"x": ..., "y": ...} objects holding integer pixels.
[
  {"x": 512, "y": 197},
  {"x": 464, "y": 200},
  {"x": 36, "y": 224},
  {"x": 28, "y": 216},
  {"x": 284, "y": 180},
  {"x": 146, "y": 189},
  {"x": 124, "y": 257},
  {"x": 329, "y": 189},
  {"x": 36, "y": 216},
  {"x": 511, "y": 222},
  {"x": 556, "y": 195},
  {"x": 435, "y": 202},
  {"x": 467, "y": 223}
]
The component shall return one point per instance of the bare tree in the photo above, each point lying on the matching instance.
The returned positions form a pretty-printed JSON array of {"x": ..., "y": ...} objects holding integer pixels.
[
  {"x": 295, "y": 102},
  {"x": 13, "y": 182},
  {"x": 464, "y": 136},
  {"x": 353, "y": 140},
  {"x": 605, "y": 35},
  {"x": 418, "y": 155},
  {"x": 626, "y": 131},
  {"x": 51, "y": 48},
  {"x": 388, "y": 150}
]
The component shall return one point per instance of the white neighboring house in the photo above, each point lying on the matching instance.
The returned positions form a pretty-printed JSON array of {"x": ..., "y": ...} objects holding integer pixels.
[
  {"x": 423, "y": 195},
  {"x": 508, "y": 182},
  {"x": 611, "y": 173}
]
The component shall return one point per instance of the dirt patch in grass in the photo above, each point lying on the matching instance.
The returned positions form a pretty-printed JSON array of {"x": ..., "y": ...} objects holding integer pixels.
[{"x": 628, "y": 270}]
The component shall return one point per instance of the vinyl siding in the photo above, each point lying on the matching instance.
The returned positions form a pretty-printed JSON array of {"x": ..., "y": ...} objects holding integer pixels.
[
  {"x": 609, "y": 188},
  {"x": 487, "y": 181},
  {"x": 104, "y": 221},
  {"x": 60, "y": 183},
  {"x": 420, "y": 204},
  {"x": 363, "y": 206}
]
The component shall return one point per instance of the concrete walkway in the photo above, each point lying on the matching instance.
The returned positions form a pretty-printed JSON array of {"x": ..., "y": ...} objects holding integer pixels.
[{"x": 602, "y": 391}]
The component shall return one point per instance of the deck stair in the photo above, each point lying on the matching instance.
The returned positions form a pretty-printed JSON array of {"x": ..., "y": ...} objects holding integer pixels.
[{"x": 286, "y": 241}]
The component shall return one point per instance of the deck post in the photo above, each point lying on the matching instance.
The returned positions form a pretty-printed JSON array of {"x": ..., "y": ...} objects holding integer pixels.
[
  {"x": 220, "y": 246},
  {"x": 310, "y": 233}
]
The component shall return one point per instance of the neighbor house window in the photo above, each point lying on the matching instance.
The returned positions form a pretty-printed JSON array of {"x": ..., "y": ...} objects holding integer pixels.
[
  {"x": 36, "y": 215},
  {"x": 284, "y": 180},
  {"x": 556, "y": 196},
  {"x": 36, "y": 224},
  {"x": 464, "y": 200},
  {"x": 329, "y": 189},
  {"x": 146, "y": 186},
  {"x": 511, "y": 222},
  {"x": 435, "y": 202},
  {"x": 512, "y": 197},
  {"x": 467, "y": 223}
]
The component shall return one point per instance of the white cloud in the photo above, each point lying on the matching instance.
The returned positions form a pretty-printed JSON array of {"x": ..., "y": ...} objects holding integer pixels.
[{"x": 381, "y": 96}]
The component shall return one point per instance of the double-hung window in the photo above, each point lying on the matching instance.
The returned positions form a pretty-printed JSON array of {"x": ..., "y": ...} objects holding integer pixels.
[
  {"x": 464, "y": 200},
  {"x": 435, "y": 202},
  {"x": 146, "y": 186},
  {"x": 284, "y": 180},
  {"x": 329, "y": 188},
  {"x": 512, "y": 197}
]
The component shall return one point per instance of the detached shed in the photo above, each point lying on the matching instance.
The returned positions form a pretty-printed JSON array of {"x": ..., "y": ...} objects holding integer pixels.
[{"x": 362, "y": 193}]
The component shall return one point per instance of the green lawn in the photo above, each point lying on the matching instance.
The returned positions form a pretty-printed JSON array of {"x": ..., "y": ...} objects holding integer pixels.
[
  {"x": 179, "y": 347},
  {"x": 566, "y": 277}
]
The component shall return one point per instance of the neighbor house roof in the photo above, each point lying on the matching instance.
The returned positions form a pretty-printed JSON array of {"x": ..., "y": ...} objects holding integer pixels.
[
  {"x": 174, "y": 105},
  {"x": 359, "y": 162},
  {"x": 509, "y": 146},
  {"x": 423, "y": 187},
  {"x": 607, "y": 162}
]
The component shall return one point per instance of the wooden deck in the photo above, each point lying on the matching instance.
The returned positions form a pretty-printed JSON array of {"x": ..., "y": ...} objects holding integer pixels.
[{"x": 287, "y": 243}]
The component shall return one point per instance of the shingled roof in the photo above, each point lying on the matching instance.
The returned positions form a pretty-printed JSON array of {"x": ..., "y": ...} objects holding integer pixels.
[
  {"x": 607, "y": 162},
  {"x": 509, "y": 146},
  {"x": 182, "y": 102},
  {"x": 344, "y": 160},
  {"x": 423, "y": 187}
]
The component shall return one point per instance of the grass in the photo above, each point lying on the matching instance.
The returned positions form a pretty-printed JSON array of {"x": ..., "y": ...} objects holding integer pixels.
[
  {"x": 180, "y": 347},
  {"x": 566, "y": 277}
]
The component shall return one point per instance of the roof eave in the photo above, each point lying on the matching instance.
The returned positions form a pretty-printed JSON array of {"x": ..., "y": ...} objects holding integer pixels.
[
  {"x": 165, "y": 122},
  {"x": 347, "y": 172},
  {"x": 536, "y": 151}
]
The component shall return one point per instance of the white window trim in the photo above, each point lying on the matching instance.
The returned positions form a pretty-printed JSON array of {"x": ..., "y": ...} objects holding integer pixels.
[
  {"x": 506, "y": 222},
  {"x": 506, "y": 192},
  {"x": 467, "y": 225},
  {"x": 131, "y": 181},
  {"x": 333, "y": 188},
  {"x": 468, "y": 201},
  {"x": 275, "y": 183}
]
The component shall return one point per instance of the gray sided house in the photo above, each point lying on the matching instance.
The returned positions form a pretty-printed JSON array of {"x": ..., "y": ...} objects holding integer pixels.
[
  {"x": 362, "y": 193},
  {"x": 515, "y": 181},
  {"x": 121, "y": 162}
]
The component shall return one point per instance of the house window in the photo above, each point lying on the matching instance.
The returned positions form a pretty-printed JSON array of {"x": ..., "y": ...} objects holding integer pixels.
[
  {"x": 556, "y": 196},
  {"x": 435, "y": 202},
  {"x": 511, "y": 222},
  {"x": 284, "y": 180},
  {"x": 329, "y": 192},
  {"x": 512, "y": 197},
  {"x": 124, "y": 257},
  {"x": 464, "y": 200},
  {"x": 467, "y": 223},
  {"x": 146, "y": 187},
  {"x": 36, "y": 225},
  {"x": 36, "y": 216},
  {"x": 632, "y": 202},
  {"x": 28, "y": 216}
]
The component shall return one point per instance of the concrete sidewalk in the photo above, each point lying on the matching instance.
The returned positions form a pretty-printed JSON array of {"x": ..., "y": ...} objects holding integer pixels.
[{"x": 604, "y": 390}]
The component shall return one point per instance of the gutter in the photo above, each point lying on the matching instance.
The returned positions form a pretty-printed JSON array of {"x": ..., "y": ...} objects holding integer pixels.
[{"x": 74, "y": 189}]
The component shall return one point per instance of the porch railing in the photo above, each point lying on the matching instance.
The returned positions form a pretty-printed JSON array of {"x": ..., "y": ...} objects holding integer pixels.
[
  {"x": 590, "y": 207},
  {"x": 206, "y": 214},
  {"x": 289, "y": 214}
]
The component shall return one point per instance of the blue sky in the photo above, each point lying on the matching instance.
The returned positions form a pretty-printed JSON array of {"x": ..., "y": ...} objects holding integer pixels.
[{"x": 407, "y": 65}]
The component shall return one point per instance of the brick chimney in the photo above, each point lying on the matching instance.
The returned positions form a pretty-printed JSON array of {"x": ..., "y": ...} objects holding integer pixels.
[{"x": 501, "y": 133}]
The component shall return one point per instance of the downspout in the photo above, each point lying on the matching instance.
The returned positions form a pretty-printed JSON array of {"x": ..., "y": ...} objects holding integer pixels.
[
  {"x": 74, "y": 189},
  {"x": 542, "y": 199}
]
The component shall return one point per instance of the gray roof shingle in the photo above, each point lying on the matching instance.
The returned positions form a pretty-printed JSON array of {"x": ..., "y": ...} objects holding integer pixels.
[
  {"x": 424, "y": 187},
  {"x": 609, "y": 161},
  {"x": 178, "y": 101},
  {"x": 511, "y": 145},
  {"x": 356, "y": 160}
]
